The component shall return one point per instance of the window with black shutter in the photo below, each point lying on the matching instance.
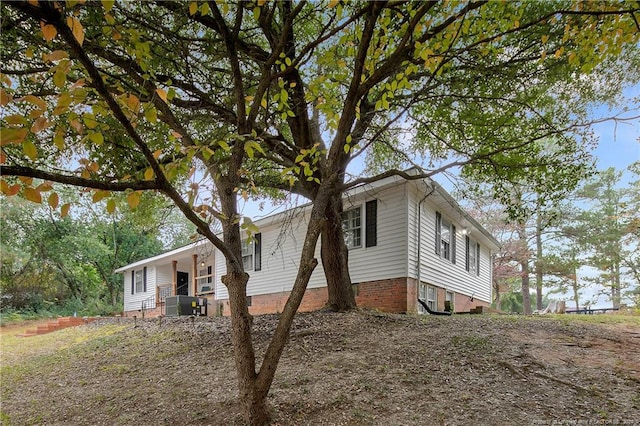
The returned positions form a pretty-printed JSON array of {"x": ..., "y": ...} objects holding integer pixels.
[{"x": 258, "y": 252}]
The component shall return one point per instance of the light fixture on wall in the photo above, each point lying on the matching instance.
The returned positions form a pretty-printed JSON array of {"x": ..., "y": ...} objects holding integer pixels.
[
  {"x": 202, "y": 264},
  {"x": 465, "y": 231}
]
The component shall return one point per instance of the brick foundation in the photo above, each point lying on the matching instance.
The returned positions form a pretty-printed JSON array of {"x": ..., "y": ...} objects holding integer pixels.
[{"x": 396, "y": 295}]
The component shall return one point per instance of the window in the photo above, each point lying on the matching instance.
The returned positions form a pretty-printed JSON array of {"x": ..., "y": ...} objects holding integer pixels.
[
  {"x": 472, "y": 256},
  {"x": 139, "y": 281},
  {"x": 247, "y": 255},
  {"x": 448, "y": 300},
  {"x": 352, "y": 228},
  {"x": 252, "y": 253},
  {"x": 445, "y": 239},
  {"x": 428, "y": 294},
  {"x": 205, "y": 280}
]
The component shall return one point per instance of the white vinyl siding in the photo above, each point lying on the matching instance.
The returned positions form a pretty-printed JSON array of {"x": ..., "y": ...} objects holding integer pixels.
[
  {"x": 134, "y": 301},
  {"x": 281, "y": 247},
  {"x": 435, "y": 269}
]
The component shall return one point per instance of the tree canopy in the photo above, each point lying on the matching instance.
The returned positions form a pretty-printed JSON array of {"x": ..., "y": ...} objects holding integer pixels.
[{"x": 137, "y": 96}]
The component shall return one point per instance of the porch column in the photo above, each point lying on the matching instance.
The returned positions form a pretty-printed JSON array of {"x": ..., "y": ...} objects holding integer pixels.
[
  {"x": 195, "y": 273},
  {"x": 174, "y": 278}
]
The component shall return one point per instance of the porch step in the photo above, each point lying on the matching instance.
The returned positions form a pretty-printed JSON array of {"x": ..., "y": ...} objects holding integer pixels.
[{"x": 58, "y": 324}]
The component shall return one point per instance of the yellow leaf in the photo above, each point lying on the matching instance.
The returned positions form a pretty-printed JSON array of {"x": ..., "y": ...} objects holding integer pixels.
[
  {"x": 30, "y": 150},
  {"x": 193, "y": 8},
  {"x": 162, "y": 94},
  {"x": 107, "y": 4},
  {"x": 64, "y": 210},
  {"x": 3, "y": 157},
  {"x": 148, "y": 174},
  {"x": 133, "y": 103},
  {"x": 111, "y": 206},
  {"x": 156, "y": 154},
  {"x": 205, "y": 9},
  {"x": 133, "y": 199},
  {"x": 261, "y": 2},
  {"x": 53, "y": 200},
  {"x": 545, "y": 38},
  {"x": 48, "y": 31},
  {"x": 332, "y": 3},
  {"x": 100, "y": 195},
  {"x": 10, "y": 135},
  {"x": 32, "y": 195},
  {"x": 5, "y": 98},
  {"x": 54, "y": 56},
  {"x": 76, "y": 29}
]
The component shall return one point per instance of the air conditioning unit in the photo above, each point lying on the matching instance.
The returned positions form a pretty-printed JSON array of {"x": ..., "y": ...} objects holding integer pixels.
[{"x": 185, "y": 305}]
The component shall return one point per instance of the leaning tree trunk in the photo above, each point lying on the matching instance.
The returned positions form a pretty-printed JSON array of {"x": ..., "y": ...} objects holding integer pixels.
[
  {"x": 335, "y": 259},
  {"x": 254, "y": 386}
]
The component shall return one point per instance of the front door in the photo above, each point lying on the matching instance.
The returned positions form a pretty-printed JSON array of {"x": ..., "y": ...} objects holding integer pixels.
[{"x": 183, "y": 284}]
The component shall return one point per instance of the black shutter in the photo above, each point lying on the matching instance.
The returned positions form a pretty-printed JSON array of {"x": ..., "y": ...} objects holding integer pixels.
[
  {"x": 144, "y": 279},
  {"x": 258, "y": 252},
  {"x": 438, "y": 232},
  {"x": 133, "y": 282},
  {"x": 478, "y": 259},
  {"x": 453, "y": 243},
  {"x": 466, "y": 252},
  {"x": 210, "y": 278},
  {"x": 371, "y": 236}
]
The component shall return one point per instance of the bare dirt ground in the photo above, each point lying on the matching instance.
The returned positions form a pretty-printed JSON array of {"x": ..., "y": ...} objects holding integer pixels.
[{"x": 359, "y": 368}]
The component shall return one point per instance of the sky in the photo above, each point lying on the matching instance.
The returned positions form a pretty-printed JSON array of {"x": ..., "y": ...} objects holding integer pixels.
[{"x": 619, "y": 142}]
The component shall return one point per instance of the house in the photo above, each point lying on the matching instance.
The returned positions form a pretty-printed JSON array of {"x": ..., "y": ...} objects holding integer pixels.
[{"x": 391, "y": 227}]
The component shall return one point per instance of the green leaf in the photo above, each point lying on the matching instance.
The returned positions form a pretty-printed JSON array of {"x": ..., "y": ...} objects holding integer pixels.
[
  {"x": 96, "y": 137},
  {"x": 151, "y": 114},
  {"x": 111, "y": 205},
  {"x": 30, "y": 150},
  {"x": 59, "y": 78}
]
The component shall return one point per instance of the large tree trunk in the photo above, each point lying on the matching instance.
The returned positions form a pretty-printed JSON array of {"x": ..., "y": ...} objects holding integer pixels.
[{"x": 335, "y": 259}]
